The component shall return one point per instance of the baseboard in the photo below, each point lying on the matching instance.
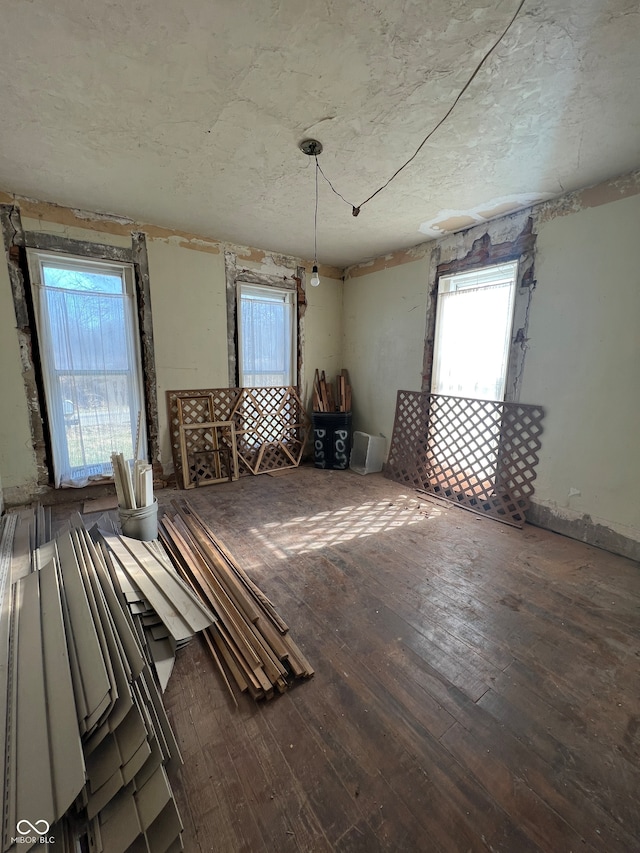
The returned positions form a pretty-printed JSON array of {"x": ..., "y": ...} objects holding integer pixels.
[
  {"x": 585, "y": 530},
  {"x": 48, "y": 496}
]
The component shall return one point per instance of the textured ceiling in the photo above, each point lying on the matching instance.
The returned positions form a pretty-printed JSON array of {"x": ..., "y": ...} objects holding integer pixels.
[{"x": 188, "y": 114}]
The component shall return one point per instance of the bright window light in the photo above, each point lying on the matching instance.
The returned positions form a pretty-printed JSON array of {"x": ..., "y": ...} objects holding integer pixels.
[{"x": 473, "y": 332}]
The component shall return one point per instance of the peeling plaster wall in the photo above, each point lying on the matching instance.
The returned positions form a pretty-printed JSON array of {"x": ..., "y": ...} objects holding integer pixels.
[
  {"x": 17, "y": 457},
  {"x": 188, "y": 296},
  {"x": 583, "y": 365},
  {"x": 74, "y": 232},
  {"x": 581, "y": 353},
  {"x": 384, "y": 322}
]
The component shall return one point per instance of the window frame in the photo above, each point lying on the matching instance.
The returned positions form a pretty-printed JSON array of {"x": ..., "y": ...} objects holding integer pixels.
[
  {"x": 37, "y": 259},
  {"x": 471, "y": 280},
  {"x": 288, "y": 277},
  {"x": 455, "y": 256},
  {"x": 289, "y": 296}
]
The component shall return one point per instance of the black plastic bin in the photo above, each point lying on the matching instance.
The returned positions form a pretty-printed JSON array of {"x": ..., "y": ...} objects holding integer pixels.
[{"x": 332, "y": 439}]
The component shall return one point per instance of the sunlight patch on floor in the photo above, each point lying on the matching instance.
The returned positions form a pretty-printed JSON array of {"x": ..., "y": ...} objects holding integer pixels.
[{"x": 304, "y": 534}]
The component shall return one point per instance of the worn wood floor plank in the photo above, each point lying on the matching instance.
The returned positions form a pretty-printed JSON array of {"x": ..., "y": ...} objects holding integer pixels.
[
  {"x": 476, "y": 686},
  {"x": 560, "y": 750},
  {"x": 412, "y": 762}
]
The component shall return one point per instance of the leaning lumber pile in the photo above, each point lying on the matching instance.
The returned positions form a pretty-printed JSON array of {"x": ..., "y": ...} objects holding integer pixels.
[
  {"x": 324, "y": 397},
  {"x": 84, "y": 734},
  {"x": 249, "y": 640}
]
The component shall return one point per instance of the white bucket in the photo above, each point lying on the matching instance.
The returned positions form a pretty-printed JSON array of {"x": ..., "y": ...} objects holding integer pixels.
[{"x": 140, "y": 523}]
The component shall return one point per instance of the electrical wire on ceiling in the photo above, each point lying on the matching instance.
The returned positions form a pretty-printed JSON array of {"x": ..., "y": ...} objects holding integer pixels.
[{"x": 355, "y": 210}]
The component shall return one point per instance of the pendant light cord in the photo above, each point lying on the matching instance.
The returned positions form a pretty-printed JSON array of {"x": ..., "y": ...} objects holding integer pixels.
[
  {"x": 356, "y": 210},
  {"x": 315, "y": 218}
]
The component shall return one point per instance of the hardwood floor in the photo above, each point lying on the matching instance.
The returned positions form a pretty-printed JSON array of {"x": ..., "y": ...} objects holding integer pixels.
[{"x": 476, "y": 686}]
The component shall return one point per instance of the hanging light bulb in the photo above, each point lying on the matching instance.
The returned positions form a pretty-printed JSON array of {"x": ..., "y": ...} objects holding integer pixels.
[{"x": 311, "y": 147}]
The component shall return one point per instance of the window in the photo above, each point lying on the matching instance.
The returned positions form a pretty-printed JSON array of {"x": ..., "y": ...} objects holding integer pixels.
[
  {"x": 87, "y": 330},
  {"x": 266, "y": 336},
  {"x": 474, "y": 317}
]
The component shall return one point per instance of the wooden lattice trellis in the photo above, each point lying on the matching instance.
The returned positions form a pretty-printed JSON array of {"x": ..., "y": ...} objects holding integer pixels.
[
  {"x": 272, "y": 428},
  {"x": 271, "y": 425},
  {"x": 479, "y": 454},
  {"x": 208, "y": 453},
  {"x": 194, "y": 407}
]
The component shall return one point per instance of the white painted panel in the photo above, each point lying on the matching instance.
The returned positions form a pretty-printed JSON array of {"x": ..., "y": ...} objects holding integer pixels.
[
  {"x": 34, "y": 785},
  {"x": 163, "y": 834},
  {"x": 64, "y": 740},
  {"x": 175, "y": 604},
  {"x": 152, "y": 797},
  {"x": 119, "y": 822},
  {"x": 95, "y": 682}
]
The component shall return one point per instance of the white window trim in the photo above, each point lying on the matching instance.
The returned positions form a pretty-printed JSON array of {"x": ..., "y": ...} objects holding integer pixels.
[
  {"x": 38, "y": 258},
  {"x": 480, "y": 278},
  {"x": 287, "y": 295}
]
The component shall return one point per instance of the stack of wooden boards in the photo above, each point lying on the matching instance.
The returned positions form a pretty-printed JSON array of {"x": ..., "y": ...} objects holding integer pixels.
[
  {"x": 133, "y": 488},
  {"x": 85, "y": 734},
  {"x": 249, "y": 636},
  {"x": 324, "y": 398}
]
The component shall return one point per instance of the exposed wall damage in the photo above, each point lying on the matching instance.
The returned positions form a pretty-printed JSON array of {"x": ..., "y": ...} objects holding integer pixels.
[
  {"x": 574, "y": 347},
  {"x": 106, "y": 223},
  {"x": 14, "y": 243},
  {"x": 276, "y": 271},
  {"x": 615, "y": 189},
  {"x": 17, "y": 241},
  {"x": 497, "y": 242}
]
